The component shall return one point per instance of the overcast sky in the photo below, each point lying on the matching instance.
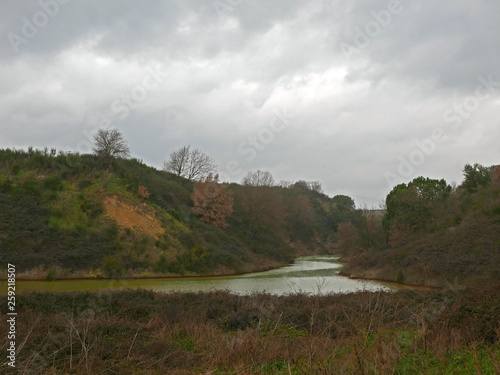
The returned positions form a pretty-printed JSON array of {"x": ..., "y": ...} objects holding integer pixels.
[{"x": 359, "y": 95}]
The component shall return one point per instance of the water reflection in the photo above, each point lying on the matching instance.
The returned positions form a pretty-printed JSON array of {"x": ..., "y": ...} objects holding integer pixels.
[{"x": 309, "y": 275}]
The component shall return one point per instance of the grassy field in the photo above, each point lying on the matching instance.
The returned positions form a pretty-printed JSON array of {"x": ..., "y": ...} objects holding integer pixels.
[{"x": 141, "y": 332}]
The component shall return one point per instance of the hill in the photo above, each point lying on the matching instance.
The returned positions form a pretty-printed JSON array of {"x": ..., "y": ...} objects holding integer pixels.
[
  {"x": 435, "y": 234},
  {"x": 71, "y": 215}
]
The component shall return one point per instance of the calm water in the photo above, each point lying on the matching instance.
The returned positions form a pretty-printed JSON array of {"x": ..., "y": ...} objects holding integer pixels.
[{"x": 309, "y": 275}]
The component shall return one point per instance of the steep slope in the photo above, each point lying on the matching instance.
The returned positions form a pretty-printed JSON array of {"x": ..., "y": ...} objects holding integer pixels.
[
  {"x": 70, "y": 215},
  {"x": 458, "y": 244},
  {"x": 141, "y": 218}
]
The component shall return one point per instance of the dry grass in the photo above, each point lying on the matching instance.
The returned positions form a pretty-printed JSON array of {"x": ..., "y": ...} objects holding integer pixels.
[{"x": 140, "y": 332}]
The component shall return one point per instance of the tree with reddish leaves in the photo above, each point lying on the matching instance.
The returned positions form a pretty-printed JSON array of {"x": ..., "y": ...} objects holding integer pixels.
[
  {"x": 496, "y": 174},
  {"x": 143, "y": 192},
  {"x": 213, "y": 203}
]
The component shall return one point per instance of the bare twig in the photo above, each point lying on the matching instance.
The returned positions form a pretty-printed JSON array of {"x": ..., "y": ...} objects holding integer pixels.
[{"x": 132, "y": 344}]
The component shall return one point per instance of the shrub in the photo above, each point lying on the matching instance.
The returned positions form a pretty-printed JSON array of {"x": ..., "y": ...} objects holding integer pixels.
[
  {"x": 112, "y": 231},
  {"x": 15, "y": 169},
  {"x": 51, "y": 274},
  {"x": 112, "y": 266},
  {"x": 457, "y": 219},
  {"x": 400, "y": 277},
  {"x": 84, "y": 183},
  {"x": 53, "y": 183},
  {"x": 161, "y": 265},
  {"x": 197, "y": 259},
  {"x": 6, "y": 186},
  {"x": 92, "y": 209},
  {"x": 30, "y": 187},
  {"x": 143, "y": 192}
]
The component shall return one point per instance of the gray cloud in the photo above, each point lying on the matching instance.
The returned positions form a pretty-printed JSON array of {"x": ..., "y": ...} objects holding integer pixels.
[{"x": 223, "y": 72}]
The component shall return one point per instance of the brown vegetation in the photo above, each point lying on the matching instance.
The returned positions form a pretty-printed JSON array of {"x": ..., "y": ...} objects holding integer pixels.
[
  {"x": 212, "y": 201},
  {"x": 56, "y": 211},
  {"x": 496, "y": 174},
  {"x": 264, "y": 207},
  {"x": 132, "y": 332},
  {"x": 143, "y": 192},
  {"x": 435, "y": 234}
]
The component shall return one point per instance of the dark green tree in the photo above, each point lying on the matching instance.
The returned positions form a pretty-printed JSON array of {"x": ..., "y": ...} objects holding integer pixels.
[
  {"x": 411, "y": 205},
  {"x": 342, "y": 210},
  {"x": 475, "y": 176},
  {"x": 344, "y": 203}
]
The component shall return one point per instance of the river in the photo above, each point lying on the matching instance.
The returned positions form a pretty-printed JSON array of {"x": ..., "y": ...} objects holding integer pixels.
[{"x": 314, "y": 275}]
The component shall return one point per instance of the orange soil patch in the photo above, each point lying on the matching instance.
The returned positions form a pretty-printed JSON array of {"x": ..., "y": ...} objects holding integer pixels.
[{"x": 139, "y": 217}]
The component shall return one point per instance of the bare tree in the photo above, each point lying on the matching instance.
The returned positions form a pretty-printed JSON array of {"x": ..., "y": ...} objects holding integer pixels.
[
  {"x": 199, "y": 165},
  {"x": 177, "y": 162},
  {"x": 258, "y": 178},
  {"x": 285, "y": 184},
  {"x": 109, "y": 143},
  {"x": 316, "y": 186},
  {"x": 190, "y": 164}
]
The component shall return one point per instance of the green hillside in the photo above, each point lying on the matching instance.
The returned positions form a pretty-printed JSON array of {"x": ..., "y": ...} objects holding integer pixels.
[
  {"x": 435, "y": 234},
  {"x": 70, "y": 215}
]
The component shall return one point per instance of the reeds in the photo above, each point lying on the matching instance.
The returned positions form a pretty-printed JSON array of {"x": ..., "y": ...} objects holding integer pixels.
[{"x": 141, "y": 332}]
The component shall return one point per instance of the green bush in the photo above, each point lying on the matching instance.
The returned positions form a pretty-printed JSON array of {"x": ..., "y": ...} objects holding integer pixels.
[
  {"x": 197, "y": 259},
  {"x": 161, "y": 265},
  {"x": 112, "y": 231},
  {"x": 457, "y": 219},
  {"x": 400, "y": 277},
  {"x": 51, "y": 274},
  {"x": 91, "y": 208},
  {"x": 6, "y": 186},
  {"x": 53, "y": 223},
  {"x": 15, "y": 169},
  {"x": 54, "y": 183},
  {"x": 112, "y": 266},
  {"x": 30, "y": 187},
  {"x": 84, "y": 183}
]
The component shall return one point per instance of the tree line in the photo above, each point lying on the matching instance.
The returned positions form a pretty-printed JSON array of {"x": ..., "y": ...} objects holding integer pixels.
[{"x": 212, "y": 200}]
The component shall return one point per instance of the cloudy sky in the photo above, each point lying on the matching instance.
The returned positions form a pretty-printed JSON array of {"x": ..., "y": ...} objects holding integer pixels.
[{"x": 359, "y": 95}]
